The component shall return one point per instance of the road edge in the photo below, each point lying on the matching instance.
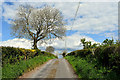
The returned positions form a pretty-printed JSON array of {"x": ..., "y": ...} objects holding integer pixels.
[
  {"x": 27, "y": 74},
  {"x": 71, "y": 68}
]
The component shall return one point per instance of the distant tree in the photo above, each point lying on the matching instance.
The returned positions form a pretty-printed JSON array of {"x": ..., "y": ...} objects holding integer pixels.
[
  {"x": 93, "y": 48},
  {"x": 86, "y": 44},
  {"x": 89, "y": 44},
  {"x": 117, "y": 41},
  {"x": 94, "y": 45},
  {"x": 50, "y": 49},
  {"x": 64, "y": 53},
  {"x": 38, "y": 24},
  {"x": 105, "y": 41},
  {"x": 108, "y": 42},
  {"x": 83, "y": 42}
]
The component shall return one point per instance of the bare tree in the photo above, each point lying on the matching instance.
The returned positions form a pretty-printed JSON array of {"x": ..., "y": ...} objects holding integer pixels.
[
  {"x": 50, "y": 49},
  {"x": 38, "y": 24}
]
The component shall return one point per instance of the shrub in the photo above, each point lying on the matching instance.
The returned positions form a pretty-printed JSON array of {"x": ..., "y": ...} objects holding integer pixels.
[
  {"x": 12, "y": 55},
  {"x": 108, "y": 56},
  {"x": 83, "y": 69},
  {"x": 105, "y": 61},
  {"x": 87, "y": 70},
  {"x": 17, "y": 69},
  {"x": 15, "y": 61},
  {"x": 81, "y": 53}
]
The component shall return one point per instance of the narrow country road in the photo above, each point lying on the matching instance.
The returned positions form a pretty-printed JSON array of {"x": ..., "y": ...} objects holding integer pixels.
[
  {"x": 64, "y": 70},
  {"x": 55, "y": 68}
]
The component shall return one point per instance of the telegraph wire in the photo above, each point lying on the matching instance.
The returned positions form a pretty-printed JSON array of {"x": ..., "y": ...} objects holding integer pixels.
[
  {"x": 75, "y": 15},
  {"x": 72, "y": 24}
]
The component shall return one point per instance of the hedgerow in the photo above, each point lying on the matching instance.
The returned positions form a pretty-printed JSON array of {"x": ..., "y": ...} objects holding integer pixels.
[
  {"x": 16, "y": 61},
  {"x": 12, "y": 55},
  {"x": 105, "y": 62},
  {"x": 17, "y": 69}
]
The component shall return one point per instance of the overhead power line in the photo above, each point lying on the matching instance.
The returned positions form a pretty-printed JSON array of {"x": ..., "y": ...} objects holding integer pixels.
[
  {"x": 75, "y": 15},
  {"x": 72, "y": 24}
]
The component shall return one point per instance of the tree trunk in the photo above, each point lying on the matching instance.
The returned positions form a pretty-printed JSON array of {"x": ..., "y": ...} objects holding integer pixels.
[{"x": 35, "y": 44}]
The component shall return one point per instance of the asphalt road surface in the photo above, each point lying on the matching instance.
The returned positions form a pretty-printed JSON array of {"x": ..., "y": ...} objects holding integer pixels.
[{"x": 55, "y": 68}]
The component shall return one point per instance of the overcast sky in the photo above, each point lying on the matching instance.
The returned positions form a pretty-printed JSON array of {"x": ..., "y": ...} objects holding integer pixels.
[{"x": 95, "y": 21}]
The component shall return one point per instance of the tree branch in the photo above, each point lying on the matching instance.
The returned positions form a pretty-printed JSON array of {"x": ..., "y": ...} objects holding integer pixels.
[
  {"x": 41, "y": 37},
  {"x": 56, "y": 35},
  {"x": 30, "y": 33}
]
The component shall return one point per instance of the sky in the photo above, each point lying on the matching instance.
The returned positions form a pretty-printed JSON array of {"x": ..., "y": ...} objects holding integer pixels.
[{"x": 95, "y": 21}]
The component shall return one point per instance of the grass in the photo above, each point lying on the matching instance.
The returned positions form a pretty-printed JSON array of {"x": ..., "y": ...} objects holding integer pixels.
[
  {"x": 16, "y": 70},
  {"x": 87, "y": 70},
  {"x": 0, "y": 72}
]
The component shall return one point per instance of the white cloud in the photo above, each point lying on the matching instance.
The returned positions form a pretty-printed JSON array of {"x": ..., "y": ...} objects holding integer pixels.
[
  {"x": 21, "y": 43},
  {"x": 68, "y": 9},
  {"x": 111, "y": 35},
  {"x": 72, "y": 42},
  {"x": 9, "y": 12},
  {"x": 97, "y": 17}
]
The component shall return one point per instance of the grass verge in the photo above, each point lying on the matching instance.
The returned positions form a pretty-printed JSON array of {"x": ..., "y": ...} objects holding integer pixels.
[
  {"x": 87, "y": 70},
  {"x": 13, "y": 71}
]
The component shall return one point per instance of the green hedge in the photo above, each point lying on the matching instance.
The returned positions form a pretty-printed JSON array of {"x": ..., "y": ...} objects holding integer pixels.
[
  {"x": 12, "y": 55},
  {"x": 17, "y": 69},
  {"x": 16, "y": 61},
  {"x": 86, "y": 70},
  {"x": 81, "y": 53},
  {"x": 107, "y": 57}
]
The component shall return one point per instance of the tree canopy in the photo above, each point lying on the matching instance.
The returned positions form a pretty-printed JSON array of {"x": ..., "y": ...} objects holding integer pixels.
[
  {"x": 50, "y": 49},
  {"x": 38, "y": 24}
]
